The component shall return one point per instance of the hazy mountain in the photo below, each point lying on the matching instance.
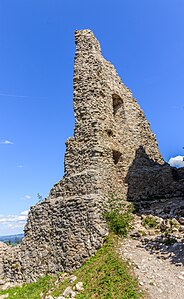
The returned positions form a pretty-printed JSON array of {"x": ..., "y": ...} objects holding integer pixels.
[{"x": 11, "y": 238}]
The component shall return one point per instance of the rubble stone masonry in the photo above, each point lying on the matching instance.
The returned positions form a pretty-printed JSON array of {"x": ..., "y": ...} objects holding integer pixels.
[{"x": 113, "y": 151}]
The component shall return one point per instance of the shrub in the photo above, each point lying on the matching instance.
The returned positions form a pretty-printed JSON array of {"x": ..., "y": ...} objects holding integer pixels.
[{"x": 119, "y": 221}]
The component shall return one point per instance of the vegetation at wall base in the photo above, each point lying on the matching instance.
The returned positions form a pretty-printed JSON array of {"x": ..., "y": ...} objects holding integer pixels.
[
  {"x": 119, "y": 223},
  {"x": 118, "y": 216},
  {"x": 104, "y": 275},
  {"x": 32, "y": 290},
  {"x": 150, "y": 222}
]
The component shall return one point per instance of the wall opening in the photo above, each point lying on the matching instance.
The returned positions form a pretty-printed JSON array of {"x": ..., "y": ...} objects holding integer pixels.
[
  {"x": 117, "y": 103},
  {"x": 109, "y": 132},
  {"x": 116, "y": 156}
]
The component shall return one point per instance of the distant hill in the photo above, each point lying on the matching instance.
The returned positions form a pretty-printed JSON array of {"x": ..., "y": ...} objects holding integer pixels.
[{"x": 14, "y": 239}]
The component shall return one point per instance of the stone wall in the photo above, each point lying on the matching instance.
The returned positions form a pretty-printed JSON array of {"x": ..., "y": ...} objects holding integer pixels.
[
  {"x": 109, "y": 128},
  {"x": 60, "y": 234},
  {"x": 113, "y": 151}
]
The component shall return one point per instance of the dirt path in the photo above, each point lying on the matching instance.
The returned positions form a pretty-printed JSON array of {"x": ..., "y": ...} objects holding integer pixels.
[
  {"x": 158, "y": 276},
  {"x": 158, "y": 265}
]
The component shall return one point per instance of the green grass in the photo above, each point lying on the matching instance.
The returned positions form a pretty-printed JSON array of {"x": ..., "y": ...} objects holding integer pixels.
[
  {"x": 118, "y": 222},
  {"x": 150, "y": 222},
  {"x": 118, "y": 216},
  {"x": 32, "y": 290},
  {"x": 104, "y": 275}
]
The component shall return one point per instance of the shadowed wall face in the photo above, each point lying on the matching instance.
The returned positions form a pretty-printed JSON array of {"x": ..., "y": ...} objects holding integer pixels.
[{"x": 150, "y": 183}]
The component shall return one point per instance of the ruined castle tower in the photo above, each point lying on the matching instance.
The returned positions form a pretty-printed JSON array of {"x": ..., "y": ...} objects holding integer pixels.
[
  {"x": 113, "y": 151},
  {"x": 109, "y": 128}
]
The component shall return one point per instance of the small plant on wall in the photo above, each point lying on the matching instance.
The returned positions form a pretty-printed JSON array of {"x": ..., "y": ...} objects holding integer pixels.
[{"x": 40, "y": 197}]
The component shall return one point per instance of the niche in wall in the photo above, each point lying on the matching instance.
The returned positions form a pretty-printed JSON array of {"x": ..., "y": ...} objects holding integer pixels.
[
  {"x": 117, "y": 103},
  {"x": 116, "y": 156},
  {"x": 109, "y": 132}
]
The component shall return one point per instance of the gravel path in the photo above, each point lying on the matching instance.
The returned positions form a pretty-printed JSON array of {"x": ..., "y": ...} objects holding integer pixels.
[{"x": 159, "y": 277}]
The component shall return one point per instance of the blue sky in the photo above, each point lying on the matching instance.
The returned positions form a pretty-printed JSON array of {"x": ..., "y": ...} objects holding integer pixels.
[{"x": 143, "y": 39}]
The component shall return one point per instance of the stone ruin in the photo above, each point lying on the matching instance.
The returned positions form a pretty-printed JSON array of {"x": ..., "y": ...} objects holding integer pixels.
[{"x": 113, "y": 152}]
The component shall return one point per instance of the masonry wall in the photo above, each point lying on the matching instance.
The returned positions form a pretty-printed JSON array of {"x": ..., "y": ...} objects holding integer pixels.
[
  {"x": 113, "y": 151},
  {"x": 110, "y": 126}
]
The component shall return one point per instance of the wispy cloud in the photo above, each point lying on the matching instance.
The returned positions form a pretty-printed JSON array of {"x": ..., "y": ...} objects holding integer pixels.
[
  {"x": 20, "y": 166},
  {"x": 26, "y": 197},
  {"x": 10, "y": 95},
  {"x": 6, "y": 142},
  {"x": 13, "y": 95},
  {"x": 10, "y": 224},
  {"x": 177, "y": 161}
]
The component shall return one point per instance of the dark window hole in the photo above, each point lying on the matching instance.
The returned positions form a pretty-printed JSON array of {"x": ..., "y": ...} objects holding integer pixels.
[
  {"x": 117, "y": 103},
  {"x": 116, "y": 156},
  {"x": 109, "y": 133}
]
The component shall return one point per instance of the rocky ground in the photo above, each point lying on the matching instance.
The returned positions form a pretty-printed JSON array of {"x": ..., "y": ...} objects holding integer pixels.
[
  {"x": 70, "y": 291},
  {"x": 155, "y": 248}
]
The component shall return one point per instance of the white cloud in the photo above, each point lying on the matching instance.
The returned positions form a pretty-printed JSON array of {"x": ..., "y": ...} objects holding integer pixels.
[
  {"x": 6, "y": 142},
  {"x": 13, "y": 218},
  {"x": 26, "y": 197},
  {"x": 20, "y": 166},
  {"x": 25, "y": 213},
  {"x": 11, "y": 224},
  {"x": 177, "y": 161}
]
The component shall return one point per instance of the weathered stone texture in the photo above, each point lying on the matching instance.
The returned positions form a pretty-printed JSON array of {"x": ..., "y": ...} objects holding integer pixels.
[
  {"x": 60, "y": 233},
  {"x": 110, "y": 126},
  {"x": 113, "y": 151}
]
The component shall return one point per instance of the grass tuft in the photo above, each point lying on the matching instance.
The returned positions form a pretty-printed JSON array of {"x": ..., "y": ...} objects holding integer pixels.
[{"x": 150, "y": 222}]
